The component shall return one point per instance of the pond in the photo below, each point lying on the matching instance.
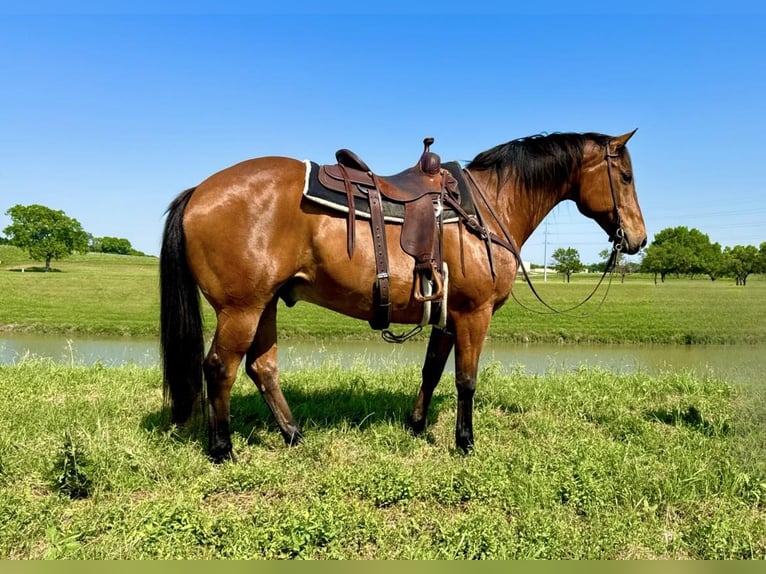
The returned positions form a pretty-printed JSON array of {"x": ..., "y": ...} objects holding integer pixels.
[{"x": 741, "y": 363}]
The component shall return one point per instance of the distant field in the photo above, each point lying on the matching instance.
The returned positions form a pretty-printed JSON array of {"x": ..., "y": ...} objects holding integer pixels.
[{"x": 118, "y": 295}]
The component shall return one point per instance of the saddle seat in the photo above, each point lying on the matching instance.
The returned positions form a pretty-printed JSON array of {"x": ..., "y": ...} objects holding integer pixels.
[{"x": 424, "y": 178}]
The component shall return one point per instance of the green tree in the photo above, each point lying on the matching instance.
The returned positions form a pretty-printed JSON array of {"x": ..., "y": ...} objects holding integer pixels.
[
  {"x": 114, "y": 245},
  {"x": 712, "y": 261},
  {"x": 567, "y": 261},
  {"x": 45, "y": 233},
  {"x": 681, "y": 251},
  {"x": 741, "y": 261}
]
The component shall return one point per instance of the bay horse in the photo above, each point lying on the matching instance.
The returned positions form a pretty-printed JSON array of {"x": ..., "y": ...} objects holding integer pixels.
[{"x": 245, "y": 237}]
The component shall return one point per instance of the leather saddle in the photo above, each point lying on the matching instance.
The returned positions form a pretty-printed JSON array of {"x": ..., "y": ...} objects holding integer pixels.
[
  {"x": 413, "y": 183},
  {"x": 421, "y": 189}
]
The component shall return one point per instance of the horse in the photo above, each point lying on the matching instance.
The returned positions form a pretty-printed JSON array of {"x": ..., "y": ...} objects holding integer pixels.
[{"x": 245, "y": 238}]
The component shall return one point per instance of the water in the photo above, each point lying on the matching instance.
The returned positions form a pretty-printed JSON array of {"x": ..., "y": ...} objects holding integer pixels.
[{"x": 743, "y": 363}]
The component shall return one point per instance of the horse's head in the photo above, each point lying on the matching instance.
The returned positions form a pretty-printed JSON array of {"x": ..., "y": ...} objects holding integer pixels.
[{"x": 607, "y": 192}]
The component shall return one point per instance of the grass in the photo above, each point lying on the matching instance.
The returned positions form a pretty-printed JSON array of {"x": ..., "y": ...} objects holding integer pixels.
[
  {"x": 102, "y": 294},
  {"x": 96, "y": 293},
  {"x": 582, "y": 464},
  {"x": 679, "y": 311}
]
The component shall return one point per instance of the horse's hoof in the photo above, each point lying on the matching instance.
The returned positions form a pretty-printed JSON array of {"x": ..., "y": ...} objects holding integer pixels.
[
  {"x": 221, "y": 458},
  {"x": 464, "y": 444},
  {"x": 220, "y": 455},
  {"x": 416, "y": 426},
  {"x": 293, "y": 438}
]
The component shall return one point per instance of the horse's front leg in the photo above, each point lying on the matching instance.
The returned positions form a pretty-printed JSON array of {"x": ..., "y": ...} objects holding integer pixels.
[
  {"x": 470, "y": 332},
  {"x": 439, "y": 347}
]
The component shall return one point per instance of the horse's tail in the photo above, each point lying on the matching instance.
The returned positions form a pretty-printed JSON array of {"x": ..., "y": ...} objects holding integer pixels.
[{"x": 180, "y": 317}]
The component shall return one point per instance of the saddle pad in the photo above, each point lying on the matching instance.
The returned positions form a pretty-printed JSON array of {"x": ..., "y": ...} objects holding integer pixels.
[{"x": 393, "y": 212}]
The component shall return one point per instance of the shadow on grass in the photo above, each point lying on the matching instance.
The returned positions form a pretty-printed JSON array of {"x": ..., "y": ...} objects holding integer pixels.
[
  {"x": 34, "y": 270},
  {"x": 314, "y": 410},
  {"x": 689, "y": 417}
]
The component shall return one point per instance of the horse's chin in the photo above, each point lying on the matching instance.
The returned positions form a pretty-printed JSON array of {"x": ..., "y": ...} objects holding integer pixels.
[{"x": 632, "y": 244}]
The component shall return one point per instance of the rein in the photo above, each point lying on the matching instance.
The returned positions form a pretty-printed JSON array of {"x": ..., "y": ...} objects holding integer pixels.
[{"x": 510, "y": 244}]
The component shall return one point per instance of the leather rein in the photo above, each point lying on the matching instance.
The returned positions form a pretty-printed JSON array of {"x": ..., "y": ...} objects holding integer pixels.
[{"x": 508, "y": 243}]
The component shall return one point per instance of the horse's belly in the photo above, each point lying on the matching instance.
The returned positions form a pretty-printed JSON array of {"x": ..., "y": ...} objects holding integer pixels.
[{"x": 352, "y": 296}]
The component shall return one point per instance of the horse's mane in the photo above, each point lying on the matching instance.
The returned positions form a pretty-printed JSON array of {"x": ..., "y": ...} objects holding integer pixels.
[{"x": 539, "y": 161}]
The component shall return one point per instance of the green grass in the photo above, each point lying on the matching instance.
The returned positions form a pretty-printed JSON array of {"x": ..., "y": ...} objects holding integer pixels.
[
  {"x": 102, "y": 294},
  {"x": 679, "y": 311},
  {"x": 96, "y": 293},
  {"x": 583, "y": 464}
]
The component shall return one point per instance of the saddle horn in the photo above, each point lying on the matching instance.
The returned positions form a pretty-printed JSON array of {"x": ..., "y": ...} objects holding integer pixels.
[{"x": 430, "y": 162}]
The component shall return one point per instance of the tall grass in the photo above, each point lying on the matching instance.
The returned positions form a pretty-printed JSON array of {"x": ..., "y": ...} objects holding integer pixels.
[
  {"x": 582, "y": 464},
  {"x": 118, "y": 295}
]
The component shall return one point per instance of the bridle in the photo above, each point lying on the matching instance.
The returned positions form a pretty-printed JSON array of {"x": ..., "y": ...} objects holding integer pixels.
[
  {"x": 618, "y": 241},
  {"x": 619, "y": 234}
]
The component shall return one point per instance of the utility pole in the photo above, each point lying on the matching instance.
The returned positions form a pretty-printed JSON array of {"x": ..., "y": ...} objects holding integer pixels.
[{"x": 545, "y": 254}]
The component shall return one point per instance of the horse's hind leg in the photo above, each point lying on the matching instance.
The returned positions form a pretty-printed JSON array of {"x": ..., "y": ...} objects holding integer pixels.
[
  {"x": 439, "y": 347},
  {"x": 261, "y": 366},
  {"x": 234, "y": 334}
]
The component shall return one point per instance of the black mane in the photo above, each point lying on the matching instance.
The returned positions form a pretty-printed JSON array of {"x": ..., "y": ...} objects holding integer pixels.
[{"x": 539, "y": 161}]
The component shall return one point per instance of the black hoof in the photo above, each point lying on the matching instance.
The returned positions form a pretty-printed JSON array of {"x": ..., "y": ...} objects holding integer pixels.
[
  {"x": 221, "y": 453},
  {"x": 416, "y": 426},
  {"x": 464, "y": 444},
  {"x": 219, "y": 458},
  {"x": 293, "y": 438}
]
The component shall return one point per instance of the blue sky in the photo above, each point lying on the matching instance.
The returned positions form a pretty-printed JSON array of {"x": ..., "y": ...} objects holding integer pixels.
[{"x": 107, "y": 113}]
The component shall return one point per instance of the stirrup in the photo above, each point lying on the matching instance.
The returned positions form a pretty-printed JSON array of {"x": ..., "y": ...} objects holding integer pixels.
[{"x": 418, "y": 292}]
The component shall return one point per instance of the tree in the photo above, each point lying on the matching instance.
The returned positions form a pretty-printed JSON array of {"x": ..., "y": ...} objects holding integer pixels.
[
  {"x": 741, "y": 261},
  {"x": 712, "y": 261},
  {"x": 45, "y": 233},
  {"x": 682, "y": 251},
  {"x": 657, "y": 260},
  {"x": 567, "y": 261},
  {"x": 115, "y": 245}
]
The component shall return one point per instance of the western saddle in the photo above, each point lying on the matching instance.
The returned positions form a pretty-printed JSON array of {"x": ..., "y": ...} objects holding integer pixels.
[{"x": 422, "y": 189}]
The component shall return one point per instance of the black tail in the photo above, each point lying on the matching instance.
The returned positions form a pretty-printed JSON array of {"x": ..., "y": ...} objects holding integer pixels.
[{"x": 180, "y": 318}]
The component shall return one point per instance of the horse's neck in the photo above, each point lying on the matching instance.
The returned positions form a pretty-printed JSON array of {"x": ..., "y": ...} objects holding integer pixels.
[{"x": 520, "y": 211}]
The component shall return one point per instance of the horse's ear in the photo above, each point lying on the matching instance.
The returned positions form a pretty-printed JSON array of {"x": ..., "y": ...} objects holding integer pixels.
[{"x": 620, "y": 141}]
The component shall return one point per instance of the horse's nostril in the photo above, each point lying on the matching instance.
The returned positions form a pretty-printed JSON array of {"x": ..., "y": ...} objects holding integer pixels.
[{"x": 643, "y": 243}]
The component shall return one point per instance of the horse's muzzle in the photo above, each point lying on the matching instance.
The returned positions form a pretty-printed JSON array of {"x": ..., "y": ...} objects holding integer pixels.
[
  {"x": 631, "y": 247},
  {"x": 627, "y": 243}
]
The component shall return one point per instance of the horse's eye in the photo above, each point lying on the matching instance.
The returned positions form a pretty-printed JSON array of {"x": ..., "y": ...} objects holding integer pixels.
[{"x": 627, "y": 178}]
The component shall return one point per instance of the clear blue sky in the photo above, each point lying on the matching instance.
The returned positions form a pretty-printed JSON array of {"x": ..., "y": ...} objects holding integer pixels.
[{"x": 107, "y": 113}]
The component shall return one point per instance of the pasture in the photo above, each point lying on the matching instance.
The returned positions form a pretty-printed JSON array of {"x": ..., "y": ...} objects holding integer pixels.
[
  {"x": 100, "y": 294},
  {"x": 584, "y": 464},
  {"x": 576, "y": 464}
]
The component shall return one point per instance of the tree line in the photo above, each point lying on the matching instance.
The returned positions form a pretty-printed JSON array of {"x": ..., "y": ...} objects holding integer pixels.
[
  {"x": 677, "y": 251},
  {"x": 48, "y": 234},
  {"x": 682, "y": 251}
]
